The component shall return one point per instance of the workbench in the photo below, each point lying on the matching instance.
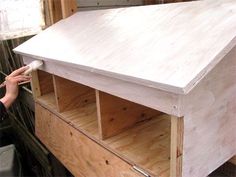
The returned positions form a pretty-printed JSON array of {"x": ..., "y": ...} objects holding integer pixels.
[{"x": 138, "y": 91}]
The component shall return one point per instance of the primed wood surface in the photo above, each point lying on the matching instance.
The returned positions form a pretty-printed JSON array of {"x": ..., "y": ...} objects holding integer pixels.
[
  {"x": 169, "y": 47},
  {"x": 209, "y": 121},
  {"x": 150, "y": 97}
]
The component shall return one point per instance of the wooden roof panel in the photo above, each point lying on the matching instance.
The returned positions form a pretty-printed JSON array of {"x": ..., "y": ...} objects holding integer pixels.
[{"x": 169, "y": 47}]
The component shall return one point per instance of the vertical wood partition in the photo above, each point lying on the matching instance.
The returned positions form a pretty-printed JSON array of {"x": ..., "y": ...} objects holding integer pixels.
[
  {"x": 41, "y": 83},
  {"x": 70, "y": 95},
  {"x": 116, "y": 115}
]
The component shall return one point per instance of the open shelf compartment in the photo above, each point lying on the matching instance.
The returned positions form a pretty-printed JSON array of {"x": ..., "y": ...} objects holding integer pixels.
[
  {"x": 43, "y": 88},
  {"x": 137, "y": 134}
]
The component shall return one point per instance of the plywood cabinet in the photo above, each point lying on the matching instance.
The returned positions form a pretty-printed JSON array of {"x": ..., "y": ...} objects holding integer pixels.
[
  {"x": 135, "y": 136},
  {"x": 122, "y": 95}
]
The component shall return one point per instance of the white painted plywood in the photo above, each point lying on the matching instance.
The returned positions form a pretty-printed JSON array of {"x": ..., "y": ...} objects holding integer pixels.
[{"x": 168, "y": 47}]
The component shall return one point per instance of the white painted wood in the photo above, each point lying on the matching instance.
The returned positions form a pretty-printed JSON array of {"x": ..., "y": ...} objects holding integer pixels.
[
  {"x": 169, "y": 47},
  {"x": 210, "y": 120},
  {"x": 150, "y": 97}
]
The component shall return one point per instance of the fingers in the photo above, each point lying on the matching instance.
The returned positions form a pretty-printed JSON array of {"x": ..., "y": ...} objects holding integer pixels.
[
  {"x": 19, "y": 71},
  {"x": 17, "y": 79},
  {"x": 21, "y": 78}
]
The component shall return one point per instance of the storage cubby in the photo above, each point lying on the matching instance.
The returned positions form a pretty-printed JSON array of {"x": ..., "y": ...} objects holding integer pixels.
[
  {"x": 43, "y": 88},
  {"x": 116, "y": 114},
  {"x": 73, "y": 102},
  {"x": 136, "y": 133},
  {"x": 76, "y": 104},
  {"x": 139, "y": 135},
  {"x": 146, "y": 145}
]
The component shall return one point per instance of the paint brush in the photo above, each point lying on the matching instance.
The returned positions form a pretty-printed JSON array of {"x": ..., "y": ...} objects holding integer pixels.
[{"x": 34, "y": 65}]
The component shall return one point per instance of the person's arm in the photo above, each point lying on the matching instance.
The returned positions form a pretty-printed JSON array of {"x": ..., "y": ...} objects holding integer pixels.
[
  {"x": 2, "y": 110},
  {"x": 12, "y": 86}
]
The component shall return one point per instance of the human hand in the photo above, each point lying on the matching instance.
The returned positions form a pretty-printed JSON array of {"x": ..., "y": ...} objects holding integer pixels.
[{"x": 12, "y": 82}]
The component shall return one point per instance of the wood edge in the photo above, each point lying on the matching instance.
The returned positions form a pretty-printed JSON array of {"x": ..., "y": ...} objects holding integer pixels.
[
  {"x": 177, "y": 127},
  {"x": 99, "y": 114},
  {"x": 35, "y": 84},
  {"x": 56, "y": 93}
]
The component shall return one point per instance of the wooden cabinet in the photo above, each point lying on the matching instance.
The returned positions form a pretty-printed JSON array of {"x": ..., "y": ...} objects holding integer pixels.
[{"x": 141, "y": 91}]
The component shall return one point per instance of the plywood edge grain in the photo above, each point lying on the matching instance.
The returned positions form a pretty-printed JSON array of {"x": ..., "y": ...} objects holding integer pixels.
[{"x": 191, "y": 85}]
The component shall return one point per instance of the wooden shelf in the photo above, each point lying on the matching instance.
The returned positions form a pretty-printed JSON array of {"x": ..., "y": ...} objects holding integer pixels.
[
  {"x": 137, "y": 134},
  {"x": 83, "y": 118},
  {"x": 48, "y": 100},
  {"x": 146, "y": 145}
]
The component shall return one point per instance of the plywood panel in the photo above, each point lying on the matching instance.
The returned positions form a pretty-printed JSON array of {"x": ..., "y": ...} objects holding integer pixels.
[
  {"x": 209, "y": 131},
  {"x": 172, "y": 53},
  {"x": 116, "y": 114},
  {"x": 45, "y": 82},
  {"x": 150, "y": 138},
  {"x": 146, "y": 145},
  {"x": 79, "y": 154},
  {"x": 83, "y": 118},
  {"x": 150, "y": 97},
  {"x": 70, "y": 95}
]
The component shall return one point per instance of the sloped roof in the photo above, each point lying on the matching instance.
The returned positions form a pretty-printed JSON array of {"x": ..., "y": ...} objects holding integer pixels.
[{"x": 168, "y": 47}]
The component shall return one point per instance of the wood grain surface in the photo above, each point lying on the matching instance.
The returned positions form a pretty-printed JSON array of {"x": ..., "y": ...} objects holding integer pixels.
[
  {"x": 169, "y": 47},
  {"x": 71, "y": 95},
  {"x": 209, "y": 121},
  {"x": 116, "y": 115},
  {"x": 81, "y": 155},
  {"x": 149, "y": 139}
]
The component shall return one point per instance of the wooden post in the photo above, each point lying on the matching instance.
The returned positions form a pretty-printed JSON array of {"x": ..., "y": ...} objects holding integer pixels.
[
  {"x": 177, "y": 126},
  {"x": 69, "y": 7},
  {"x": 56, "y": 10}
]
